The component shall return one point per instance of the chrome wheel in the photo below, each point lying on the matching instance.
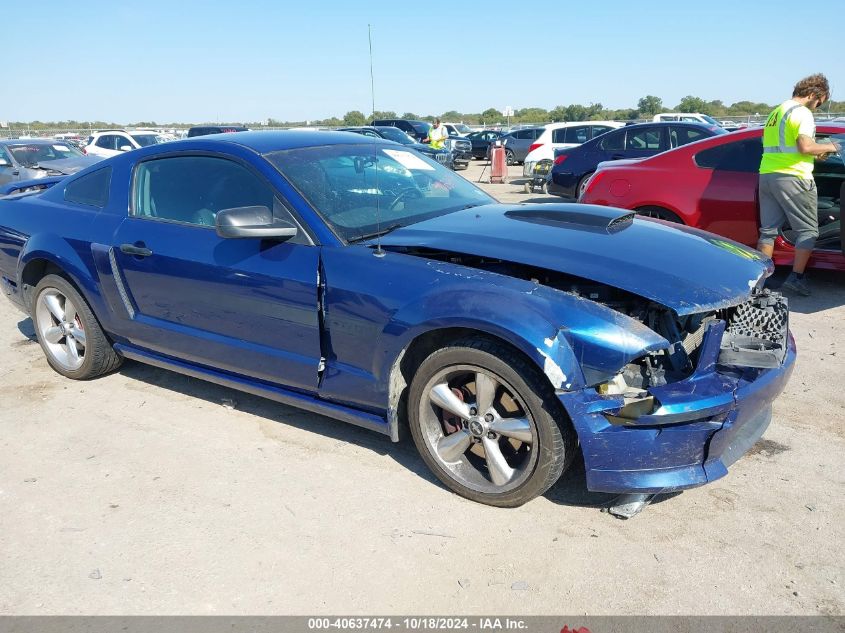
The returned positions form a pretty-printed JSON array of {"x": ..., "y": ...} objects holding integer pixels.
[
  {"x": 478, "y": 429},
  {"x": 582, "y": 185},
  {"x": 61, "y": 328}
]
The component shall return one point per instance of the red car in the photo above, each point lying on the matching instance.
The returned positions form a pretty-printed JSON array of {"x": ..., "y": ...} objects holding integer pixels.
[{"x": 712, "y": 185}]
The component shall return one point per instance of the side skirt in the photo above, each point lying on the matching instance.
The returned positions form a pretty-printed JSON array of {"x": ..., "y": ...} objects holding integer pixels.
[{"x": 278, "y": 394}]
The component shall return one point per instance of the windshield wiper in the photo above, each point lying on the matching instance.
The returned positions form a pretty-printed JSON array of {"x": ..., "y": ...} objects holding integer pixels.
[{"x": 368, "y": 236}]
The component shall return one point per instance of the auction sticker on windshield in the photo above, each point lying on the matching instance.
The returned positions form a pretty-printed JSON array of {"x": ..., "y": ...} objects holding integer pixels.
[{"x": 409, "y": 160}]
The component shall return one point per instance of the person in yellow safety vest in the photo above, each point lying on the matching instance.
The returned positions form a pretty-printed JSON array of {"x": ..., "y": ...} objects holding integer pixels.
[
  {"x": 787, "y": 189},
  {"x": 437, "y": 135}
]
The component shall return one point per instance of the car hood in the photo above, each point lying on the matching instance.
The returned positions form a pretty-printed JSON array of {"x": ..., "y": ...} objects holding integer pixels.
[
  {"x": 684, "y": 269},
  {"x": 69, "y": 165}
]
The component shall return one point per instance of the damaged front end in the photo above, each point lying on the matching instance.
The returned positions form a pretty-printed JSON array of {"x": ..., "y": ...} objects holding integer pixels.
[{"x": 678, "y": 417}]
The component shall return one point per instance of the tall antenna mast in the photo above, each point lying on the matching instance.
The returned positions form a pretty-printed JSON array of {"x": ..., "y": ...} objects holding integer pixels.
[
  {"x": 378, "y": 252},
  {"x": 372, "y": 82}
]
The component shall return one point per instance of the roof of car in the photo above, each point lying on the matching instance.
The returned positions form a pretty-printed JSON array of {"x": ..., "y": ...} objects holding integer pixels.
[
  {"x": 32, "y": 141},
  {"x": 269, "y": 141}
]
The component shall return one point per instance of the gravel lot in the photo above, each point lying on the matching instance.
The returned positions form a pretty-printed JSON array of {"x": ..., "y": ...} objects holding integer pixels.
[{"x": 147, "y": 492}]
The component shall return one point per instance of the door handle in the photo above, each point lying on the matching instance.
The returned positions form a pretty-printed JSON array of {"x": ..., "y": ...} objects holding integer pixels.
[{"x": 137, "y": 251}]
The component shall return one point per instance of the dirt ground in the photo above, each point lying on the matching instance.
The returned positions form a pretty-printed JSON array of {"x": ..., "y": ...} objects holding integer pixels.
[{"x": 146, "y": 492}]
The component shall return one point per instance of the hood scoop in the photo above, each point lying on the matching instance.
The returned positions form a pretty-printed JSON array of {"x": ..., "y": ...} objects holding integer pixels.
[{"x": 586, "y": 217}]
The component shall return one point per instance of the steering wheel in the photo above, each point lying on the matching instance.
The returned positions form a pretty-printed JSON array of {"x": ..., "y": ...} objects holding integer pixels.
[{"x": 407, "y": 192}]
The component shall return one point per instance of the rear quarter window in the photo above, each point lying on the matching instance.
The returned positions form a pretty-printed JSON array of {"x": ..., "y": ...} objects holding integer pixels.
[
  {"x": 742, "y": 156},
  {"x": 91, "y": 189}
]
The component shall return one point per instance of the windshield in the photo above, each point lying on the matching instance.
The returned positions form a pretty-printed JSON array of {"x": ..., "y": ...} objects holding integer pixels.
[
  {"x": 709, "y": 119},
  {"x": 145, "y": 140},
  {"x": 463, "y": 129},
  {"x": 395, "y": 134},
  {"x": 363, "y": 188},
  {"x": 30, "y": 154}
]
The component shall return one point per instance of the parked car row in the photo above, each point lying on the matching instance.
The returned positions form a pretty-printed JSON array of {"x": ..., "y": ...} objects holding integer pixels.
[{"x": 574, "y": 166}]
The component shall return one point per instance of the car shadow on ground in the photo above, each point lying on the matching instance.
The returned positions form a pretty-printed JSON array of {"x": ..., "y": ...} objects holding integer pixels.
[
  {"x": 827, "y": 286},
  {"x": 570, "y": 489}
]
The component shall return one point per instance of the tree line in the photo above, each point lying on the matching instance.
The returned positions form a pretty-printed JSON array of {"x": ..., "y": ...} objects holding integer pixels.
[{"x": 647, "y": 107}]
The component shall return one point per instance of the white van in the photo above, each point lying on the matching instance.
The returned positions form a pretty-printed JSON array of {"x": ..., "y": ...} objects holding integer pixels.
[
  {"x": 693, "y": 117},
  {"x": 563, "y": 135}
]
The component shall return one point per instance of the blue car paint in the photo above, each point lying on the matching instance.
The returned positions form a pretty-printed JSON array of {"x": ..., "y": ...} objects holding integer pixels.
[
  {"x": 720, "y": 426},
  {"x": 642, "y": 259},
  {"x": 374, "y": 307}
]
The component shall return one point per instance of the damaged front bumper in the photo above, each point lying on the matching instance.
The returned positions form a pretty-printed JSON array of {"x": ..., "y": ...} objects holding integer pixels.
[{"x": 698, "y": 427}]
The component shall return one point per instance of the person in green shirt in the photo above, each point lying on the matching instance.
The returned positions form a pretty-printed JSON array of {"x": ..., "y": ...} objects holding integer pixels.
[
  {"x": 787, "y": 189},
  {"x": 437, "y": 135}
]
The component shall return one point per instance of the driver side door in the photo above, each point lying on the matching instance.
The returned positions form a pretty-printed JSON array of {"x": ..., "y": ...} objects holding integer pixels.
[{"x": 248, "y": 305}]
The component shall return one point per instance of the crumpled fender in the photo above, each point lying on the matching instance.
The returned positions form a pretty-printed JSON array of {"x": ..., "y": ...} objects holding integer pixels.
[{"x": 574, "y": 341}]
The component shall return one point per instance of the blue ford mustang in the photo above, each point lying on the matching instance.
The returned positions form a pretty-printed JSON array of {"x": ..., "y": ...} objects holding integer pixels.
[{"x": 356, "y": 279}]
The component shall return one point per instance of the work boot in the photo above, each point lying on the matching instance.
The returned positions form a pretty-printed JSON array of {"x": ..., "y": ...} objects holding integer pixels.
[{"x": 797, "y": 285}]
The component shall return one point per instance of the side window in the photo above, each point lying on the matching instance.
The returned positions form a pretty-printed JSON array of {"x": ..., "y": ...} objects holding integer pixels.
[
  {"x": 600, "y": 129},
  {"x": 537, "y": 132},
  {"x": 91, "y": 189},
  {"x": 643, "y": 139},
  {"x": 742, "y": 156},
  {"x": 559, "y": 135},
  {"x": 121, "y": 141},
  {"x": 578, "y": 134},
  {"x": 522, "y": 134},
  {"x": 5, "y": 154},
  {"x": 613, "y": 142},
  {"x": 681, "y": 135},
  {"x": 105, "y": 141},
  {"x": 192, "y": 189}
]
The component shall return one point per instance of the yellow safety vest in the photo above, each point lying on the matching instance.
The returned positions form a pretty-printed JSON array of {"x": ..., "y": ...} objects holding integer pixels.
[
  {"x": 780, "y": 154},
  {"x": 437, "y": 143}
]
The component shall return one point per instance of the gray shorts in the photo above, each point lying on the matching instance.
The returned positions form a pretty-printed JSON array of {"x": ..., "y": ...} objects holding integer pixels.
[{"x": 783, "y": 198}]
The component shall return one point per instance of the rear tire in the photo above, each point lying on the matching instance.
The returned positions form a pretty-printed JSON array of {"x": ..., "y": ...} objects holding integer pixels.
[
  {"x": 510, "y": 159},
  {"x": 582, "y": 184},
  {"x": 488, "y": 424},
  {"x": 68, "y": 331}
]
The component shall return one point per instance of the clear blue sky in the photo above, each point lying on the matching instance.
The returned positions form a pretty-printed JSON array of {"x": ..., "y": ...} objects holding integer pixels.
[{"x": 192, "y": 61}]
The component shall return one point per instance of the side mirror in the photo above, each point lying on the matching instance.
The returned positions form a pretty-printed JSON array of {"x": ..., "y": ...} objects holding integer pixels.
[
  {"x": 5, "y": 163},
  {"x": 125, "y": 148},
  {"x": 258, "y": 222}
]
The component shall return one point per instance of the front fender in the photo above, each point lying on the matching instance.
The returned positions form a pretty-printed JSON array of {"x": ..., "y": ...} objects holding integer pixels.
[{"x": 574, "y": 341}]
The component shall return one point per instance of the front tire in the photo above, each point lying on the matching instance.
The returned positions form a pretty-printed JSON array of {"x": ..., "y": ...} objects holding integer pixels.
[
  {"x": 488, "y": 424},
  {"x": 68, "y": 331}
]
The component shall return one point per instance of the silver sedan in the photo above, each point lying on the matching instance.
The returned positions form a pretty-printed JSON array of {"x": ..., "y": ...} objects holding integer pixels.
[{"x": 28, "y": 159}]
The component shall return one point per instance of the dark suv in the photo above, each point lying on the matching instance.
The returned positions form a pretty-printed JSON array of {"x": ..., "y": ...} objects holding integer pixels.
[
  {"x": 202, "y": 130},
  {"x": 415, "y": 129},
  {"x": 460, "y": 147}
]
